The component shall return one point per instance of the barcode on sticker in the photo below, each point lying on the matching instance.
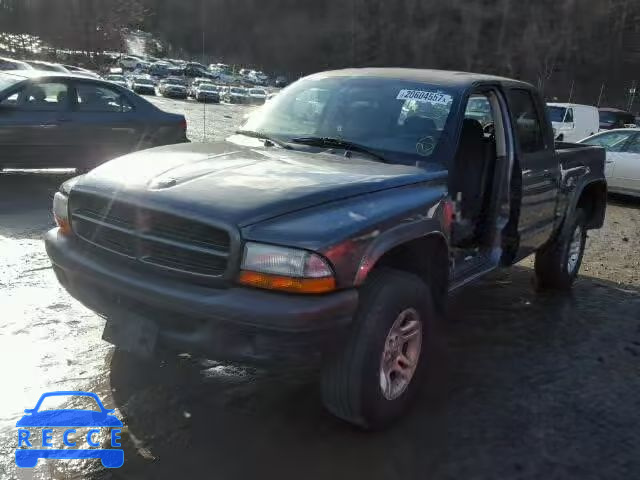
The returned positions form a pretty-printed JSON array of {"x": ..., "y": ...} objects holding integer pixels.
[{"x": 423, "y": 96}]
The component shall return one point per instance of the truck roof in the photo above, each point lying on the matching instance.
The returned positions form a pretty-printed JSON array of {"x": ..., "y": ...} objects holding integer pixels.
[{"x": 458, "y": 80}]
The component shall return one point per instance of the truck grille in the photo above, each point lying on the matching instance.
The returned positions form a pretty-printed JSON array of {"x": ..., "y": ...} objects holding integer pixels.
[{"x": 149, "y": 236}]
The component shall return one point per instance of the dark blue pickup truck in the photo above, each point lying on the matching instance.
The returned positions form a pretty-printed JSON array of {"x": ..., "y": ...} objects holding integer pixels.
[{"x": 331, "y": 227}]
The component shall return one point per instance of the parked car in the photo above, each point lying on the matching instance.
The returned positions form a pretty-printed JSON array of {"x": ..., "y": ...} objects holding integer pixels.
[
  {"x": 47, "y": 66},
  {"x": 281, "y": 82},
  {"x": 479, "y": 109},
  {"x": 63, "y": 120},
  {"x": 330, "y": 239},
  {"x": 131, "y": 62},
  {"x": 207, "y": 92},
  {"x": 257, "y": 78},
  {"x": 257, "y": 96},
  {"x": 118, "y": 80},
  {"x": 611, "y": 118},
  {"x": 83, "y": 72},
  {"x": 160, "y": 69},
  {"x": 142, "y": 84},
  {"x": 572, "y": 122},
  {"x": 11, "y": 64},
  {"x": 173, "y": 87},
  {"x": 237, "y": 95},
  {"x": 623, "y": 159},
  {"x": 195, "y": 71},
  {"x": 194, "y": 85}
]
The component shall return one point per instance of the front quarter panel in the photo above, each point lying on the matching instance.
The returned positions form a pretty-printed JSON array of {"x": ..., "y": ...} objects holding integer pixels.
[{"x": 352, "y": 234}]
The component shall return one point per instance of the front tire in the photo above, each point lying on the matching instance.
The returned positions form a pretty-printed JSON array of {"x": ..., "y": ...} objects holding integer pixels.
[
  {"x": 558, "y": 263},
  {"x": 376, "y": 376}
]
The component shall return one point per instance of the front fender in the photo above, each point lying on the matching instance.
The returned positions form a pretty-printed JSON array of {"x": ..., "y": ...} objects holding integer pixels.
[
  {"x": 355, "y": 232},
  {"x": 394, "y": 237}
]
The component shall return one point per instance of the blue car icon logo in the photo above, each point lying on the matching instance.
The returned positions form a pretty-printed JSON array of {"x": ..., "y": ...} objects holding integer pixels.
[{"x": 68, "y": 418}]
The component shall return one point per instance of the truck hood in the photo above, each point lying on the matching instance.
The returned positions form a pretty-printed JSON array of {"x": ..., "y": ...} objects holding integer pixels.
[{"x": 241, "y": 184}]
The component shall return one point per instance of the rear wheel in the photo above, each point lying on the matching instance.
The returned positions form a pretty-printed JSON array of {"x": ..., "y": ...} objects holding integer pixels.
[
  {"x": 374, "y": 379},
  {"x": 558, "y": 263}
]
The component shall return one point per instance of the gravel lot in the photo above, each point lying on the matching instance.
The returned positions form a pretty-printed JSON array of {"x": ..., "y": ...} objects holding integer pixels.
[{"x": 523, "y": 385}]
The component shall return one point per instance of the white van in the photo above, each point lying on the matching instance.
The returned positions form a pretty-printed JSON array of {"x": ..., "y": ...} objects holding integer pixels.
[{"x": 573, "y": 122}]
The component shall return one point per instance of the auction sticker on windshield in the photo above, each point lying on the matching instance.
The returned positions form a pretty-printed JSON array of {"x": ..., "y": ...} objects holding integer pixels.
[{"x": 425, "y": 96}]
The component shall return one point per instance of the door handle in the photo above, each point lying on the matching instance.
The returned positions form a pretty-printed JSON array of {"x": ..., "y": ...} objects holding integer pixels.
[
  {"x": 64, "y": 120},
  {"x": 608, "y": 161}
]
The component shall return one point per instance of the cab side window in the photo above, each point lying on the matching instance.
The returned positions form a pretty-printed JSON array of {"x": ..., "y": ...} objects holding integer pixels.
[{"x": 527, "y": 121}]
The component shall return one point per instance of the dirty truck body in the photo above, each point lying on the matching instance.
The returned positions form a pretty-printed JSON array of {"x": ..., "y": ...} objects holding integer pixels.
[{"x": 331, "y": 228}]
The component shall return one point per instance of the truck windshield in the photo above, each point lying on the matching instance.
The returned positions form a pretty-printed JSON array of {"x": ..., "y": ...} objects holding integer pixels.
[
  {"x": 560, "y": 114},
  {"x": 403, "y": 121}
]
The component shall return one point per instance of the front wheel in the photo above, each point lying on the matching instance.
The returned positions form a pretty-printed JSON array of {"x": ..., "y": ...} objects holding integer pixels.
[
  {"x": 374, "y": 379},
  {"x": 558, "y": 263}
]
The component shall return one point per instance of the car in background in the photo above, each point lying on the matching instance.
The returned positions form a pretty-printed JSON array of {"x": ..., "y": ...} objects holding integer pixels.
[
  {"x": 237, "y": 95},
  {"x": 49, "y": 119},
  {"x": 572, "y": 122},
  {"x": 47, "y": 66},
  {"x": 160, "y": 69},
  {"x": 173, "y": 87},
  {"x": 142, "y": 84},
  {"x": 118, "y": 80},
  {"x": 622, "y": 167},
  {"x": 611, "y": 118},
  {"x": 131, "y": 62},
  {"x": 207, "y": 92},
  {"x": 195, "y": 84},
  {"x": 281, "y": 82},
  {"x": 83, "y": 72},
  {"x": 257, "y": 96},
  {"x": 478, "y": 108},
  {"x": 7, "y": 64}
]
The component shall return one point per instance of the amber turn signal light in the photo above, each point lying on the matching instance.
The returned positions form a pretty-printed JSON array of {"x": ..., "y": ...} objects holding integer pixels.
[{"x": 287, "y": 284}]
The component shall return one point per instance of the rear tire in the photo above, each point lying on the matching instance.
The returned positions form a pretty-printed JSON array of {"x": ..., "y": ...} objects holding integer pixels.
[
  {"x": 358, "y": 384},
  {"x": 558, "y": 263}
]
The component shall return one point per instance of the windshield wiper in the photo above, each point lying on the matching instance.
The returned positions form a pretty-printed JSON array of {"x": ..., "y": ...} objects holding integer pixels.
[
  {"x": 267, "y": 139},
  {"x": 330, "y": 142}
]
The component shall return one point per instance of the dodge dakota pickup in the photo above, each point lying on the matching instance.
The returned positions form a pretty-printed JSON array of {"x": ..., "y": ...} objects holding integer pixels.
[{"x": 330, "y": 228}]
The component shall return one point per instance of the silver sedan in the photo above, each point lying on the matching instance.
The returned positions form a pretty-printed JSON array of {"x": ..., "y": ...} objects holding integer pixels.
[{"x": 623, "y": 158}]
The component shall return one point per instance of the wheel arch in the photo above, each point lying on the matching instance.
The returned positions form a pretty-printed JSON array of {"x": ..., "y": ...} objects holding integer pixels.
[
  {"x": 426, "y": 256},
  {"x": 592, "y": 198}
]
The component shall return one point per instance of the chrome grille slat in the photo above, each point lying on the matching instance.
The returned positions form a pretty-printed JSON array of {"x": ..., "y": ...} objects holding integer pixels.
[{"x": 151, "y": 237}]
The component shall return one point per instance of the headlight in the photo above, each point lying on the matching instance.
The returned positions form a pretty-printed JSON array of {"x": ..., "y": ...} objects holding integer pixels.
[
  {"x": 61, "y": 212},
  {"x": 285, "y": 269}
]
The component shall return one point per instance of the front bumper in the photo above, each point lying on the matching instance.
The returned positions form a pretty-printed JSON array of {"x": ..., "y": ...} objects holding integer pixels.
[
  {"x": 237, "y": 323},
  {"x": 145, "y": 90},
  {"x": 175, "y": 93},
  {"x": 208, "y": 98}
]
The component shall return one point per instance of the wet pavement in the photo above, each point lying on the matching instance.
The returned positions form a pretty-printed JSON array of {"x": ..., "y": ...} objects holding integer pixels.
[{"x": 522, "y": 385}]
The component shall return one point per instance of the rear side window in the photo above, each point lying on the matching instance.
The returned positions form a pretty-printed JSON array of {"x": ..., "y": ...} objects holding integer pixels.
[
  {"x": 98, "y": 98},
  {"x": 634, "y": 145},
  {"x": 45, "y": 97},
  {"x": 527, "y": 121}
]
